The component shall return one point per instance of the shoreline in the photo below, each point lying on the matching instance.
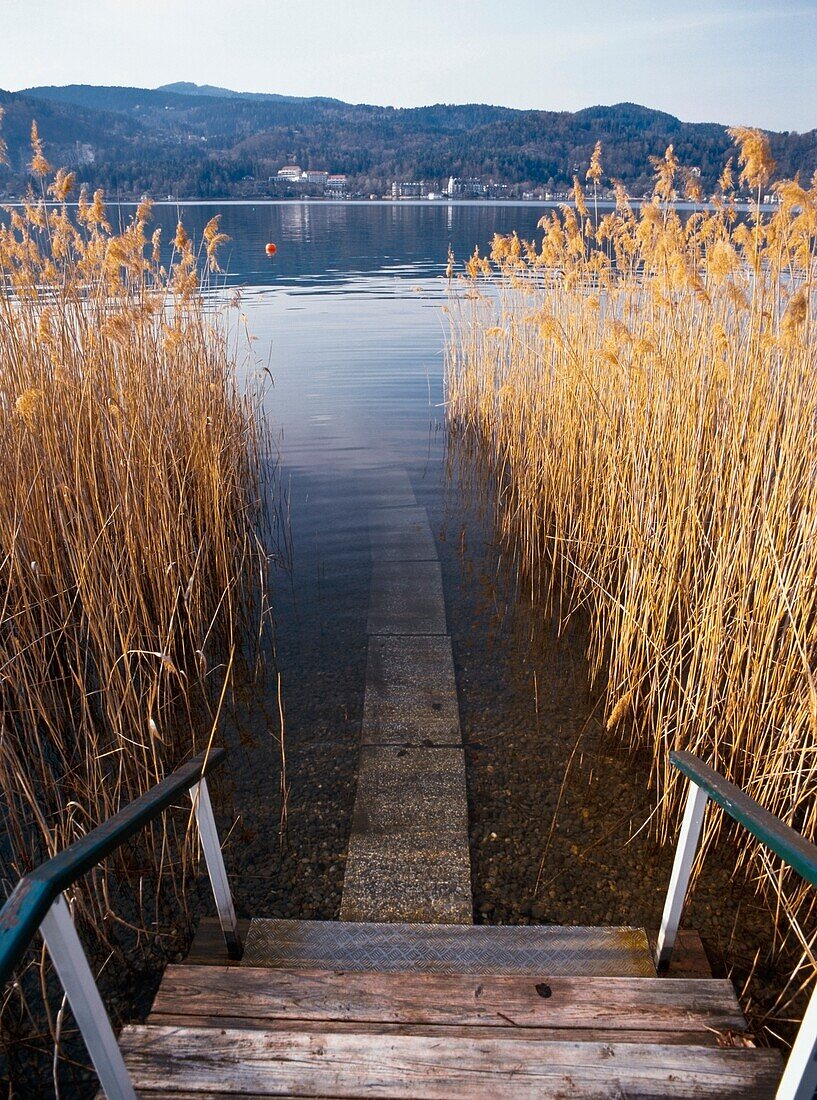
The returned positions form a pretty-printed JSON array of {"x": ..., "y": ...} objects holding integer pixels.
[{"x": 547, "y": 204}]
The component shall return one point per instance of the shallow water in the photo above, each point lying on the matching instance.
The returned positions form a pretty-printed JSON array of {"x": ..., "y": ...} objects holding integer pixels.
[{"x": 349, "y": 318}]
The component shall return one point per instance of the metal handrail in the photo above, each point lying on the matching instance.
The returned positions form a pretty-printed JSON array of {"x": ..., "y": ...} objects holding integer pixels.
[
  {"x": 37, "y": 903},
  {"x": 799, "y": 1080},
  {"x": 784, "y": 841}
]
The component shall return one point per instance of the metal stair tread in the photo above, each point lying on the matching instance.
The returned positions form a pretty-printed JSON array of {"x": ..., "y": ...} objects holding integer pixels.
[{"x": 449, "y": 948}]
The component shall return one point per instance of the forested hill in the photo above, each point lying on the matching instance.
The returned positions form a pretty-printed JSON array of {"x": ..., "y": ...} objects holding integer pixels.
[{"x": 192, "y": 140}]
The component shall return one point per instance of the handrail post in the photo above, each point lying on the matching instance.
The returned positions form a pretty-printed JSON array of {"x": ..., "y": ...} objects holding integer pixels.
[
  {"x": 799, "y": 1080},
  {"x": 72, "y": 968},
  {"x": 215, "y": 868},
  {"x": 681, "y": 871}
]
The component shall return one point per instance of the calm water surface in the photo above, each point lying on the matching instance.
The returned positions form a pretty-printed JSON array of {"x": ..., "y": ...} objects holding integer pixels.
[{"x": 349, "y": 318}]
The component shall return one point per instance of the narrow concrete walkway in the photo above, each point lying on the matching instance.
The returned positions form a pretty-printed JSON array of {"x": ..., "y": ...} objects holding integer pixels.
[{"x": 408, "y": 850}]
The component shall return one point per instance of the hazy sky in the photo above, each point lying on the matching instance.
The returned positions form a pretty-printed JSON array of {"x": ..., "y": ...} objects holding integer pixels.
[{"x": 732, "y": 61}]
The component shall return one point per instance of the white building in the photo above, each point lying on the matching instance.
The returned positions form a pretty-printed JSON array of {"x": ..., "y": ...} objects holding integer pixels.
[{"x": 290, "y": 173}]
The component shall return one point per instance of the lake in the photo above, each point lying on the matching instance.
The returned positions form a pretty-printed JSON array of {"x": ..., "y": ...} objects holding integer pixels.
[{"x": 349, "y": 318}]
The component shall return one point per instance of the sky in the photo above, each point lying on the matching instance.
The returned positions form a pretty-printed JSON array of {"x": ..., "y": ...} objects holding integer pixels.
[{"x": 751, "y": 62}]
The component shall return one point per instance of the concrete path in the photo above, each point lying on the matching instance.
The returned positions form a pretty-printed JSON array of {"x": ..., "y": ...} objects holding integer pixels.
[{"x": 408, "y": 850}]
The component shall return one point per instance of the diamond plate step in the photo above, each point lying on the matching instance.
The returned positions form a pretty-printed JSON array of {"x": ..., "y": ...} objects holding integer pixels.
[{"x": 449, "y": 949}]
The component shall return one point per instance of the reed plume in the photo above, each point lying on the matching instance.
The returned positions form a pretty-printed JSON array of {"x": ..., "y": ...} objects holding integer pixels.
[
  {"x": 129, "y": 545},
  {"x": 644, "y": 389}
]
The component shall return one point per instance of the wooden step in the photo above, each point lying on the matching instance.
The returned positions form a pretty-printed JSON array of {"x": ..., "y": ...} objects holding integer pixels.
[
  {"x": 206, "y": 1061},
  {"x": 649, "y": 1004},
  {"x": 417, "y": 1032},
  {"x": 449, "y": 948}
]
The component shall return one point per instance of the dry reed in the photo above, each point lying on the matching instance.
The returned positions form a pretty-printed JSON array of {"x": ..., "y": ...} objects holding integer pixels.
[
  {"x": 129, "y": 545},
  {"x": 643, "y": 385}
]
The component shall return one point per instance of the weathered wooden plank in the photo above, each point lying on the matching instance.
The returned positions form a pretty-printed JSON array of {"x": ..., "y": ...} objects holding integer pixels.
[
  {"x": 449, "y": 948},
  {"x": 208, "y": 947},
  {"x": 407, "y": 598},
  {"x": 161, "y": 1094},
  {"x": 187, "y": 1094},
  {"x": 411, "y": 693},
  {"x": 649, "y": 1004},
  {"x": 230, "y": 1061},
  {"x": 488, "y": 1034}
]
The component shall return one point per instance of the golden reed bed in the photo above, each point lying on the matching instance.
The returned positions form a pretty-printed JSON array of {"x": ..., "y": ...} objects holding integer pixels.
[
  {"x": 643, "y": 385},
  {"x": 129, "y": 550}
]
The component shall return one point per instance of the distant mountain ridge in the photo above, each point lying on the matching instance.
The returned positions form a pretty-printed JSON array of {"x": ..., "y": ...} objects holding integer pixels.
[
  {"x": 184, "y": 87},
  {"x": 205, "y": 141}
]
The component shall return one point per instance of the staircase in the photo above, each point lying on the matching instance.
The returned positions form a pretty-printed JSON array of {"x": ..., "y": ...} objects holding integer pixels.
[
  {"x": 404, "y": 996},
  {"x": 331, "y": 1009}
]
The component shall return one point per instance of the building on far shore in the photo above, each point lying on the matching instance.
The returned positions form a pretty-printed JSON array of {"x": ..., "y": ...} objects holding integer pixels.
[
  {"x": 310, "y": 181},
  {"x": 406, "y": 190},
  {"x": 290, "y": 173},
  {"x": 471, "y": 188}
]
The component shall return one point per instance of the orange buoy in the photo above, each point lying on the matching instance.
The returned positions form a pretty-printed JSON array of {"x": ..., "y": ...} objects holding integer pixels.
[{"x": 271, "y": 249}]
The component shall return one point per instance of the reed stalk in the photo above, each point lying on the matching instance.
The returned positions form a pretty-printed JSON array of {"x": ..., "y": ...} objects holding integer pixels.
[
  {"x": 130, "y": 556},
  {"x": 642, "y": 385}
]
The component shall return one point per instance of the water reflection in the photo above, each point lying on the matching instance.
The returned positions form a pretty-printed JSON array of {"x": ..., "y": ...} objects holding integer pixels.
[
  {"x": 353, "y": 328},
  {"x": 349, "y": 318},
  {"x": 327, "y": 243}
]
